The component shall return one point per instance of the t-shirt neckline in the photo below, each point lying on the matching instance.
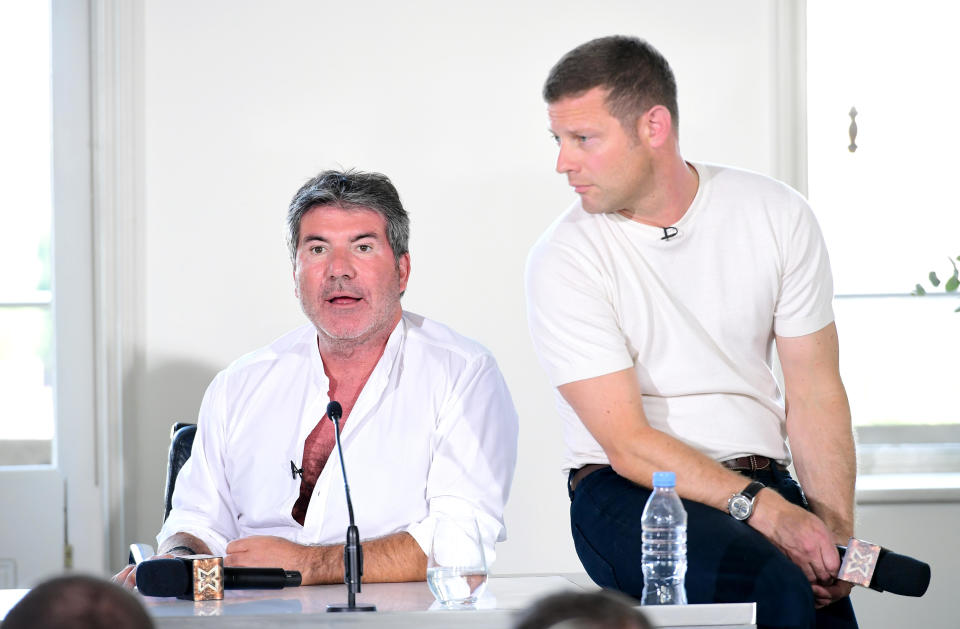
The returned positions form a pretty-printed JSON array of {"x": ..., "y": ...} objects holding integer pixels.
[{"x": 684, "y": 226}]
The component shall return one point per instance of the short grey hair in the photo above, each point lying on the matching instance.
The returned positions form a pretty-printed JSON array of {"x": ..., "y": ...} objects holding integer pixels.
[{"x": 351, "y": 189}]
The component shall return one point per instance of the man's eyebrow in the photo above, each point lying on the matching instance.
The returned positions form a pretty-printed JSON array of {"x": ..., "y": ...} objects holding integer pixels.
[{"x": 321, "y": 238}]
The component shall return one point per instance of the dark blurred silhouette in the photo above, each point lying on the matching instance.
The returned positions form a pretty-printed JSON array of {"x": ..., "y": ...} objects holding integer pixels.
[
  {"x": 605, "y": 609},
  {"x": 78, "y": 602}
]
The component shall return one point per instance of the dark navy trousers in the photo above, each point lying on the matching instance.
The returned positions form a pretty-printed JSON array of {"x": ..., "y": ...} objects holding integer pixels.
[{"x": 727, "y": 560}]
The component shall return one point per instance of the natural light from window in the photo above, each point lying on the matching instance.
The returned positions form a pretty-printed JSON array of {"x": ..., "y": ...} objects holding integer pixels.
[
  {"x": 888, "y": 209},
  {"x": 26, "y": 338}
]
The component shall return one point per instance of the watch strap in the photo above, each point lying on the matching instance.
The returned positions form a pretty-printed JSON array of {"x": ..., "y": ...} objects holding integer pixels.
[{"x": 751, "y": 490}]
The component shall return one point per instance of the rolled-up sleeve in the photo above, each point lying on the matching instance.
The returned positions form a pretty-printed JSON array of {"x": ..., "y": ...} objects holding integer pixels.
[
  {"x": 202, "y": 505},
  {"x": 473, "y": 456}
]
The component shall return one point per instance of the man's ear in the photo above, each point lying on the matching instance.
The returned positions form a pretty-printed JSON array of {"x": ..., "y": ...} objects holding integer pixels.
[
  {"x": 403, "y": 271},
  {"x": 296, "y": 285},
  {"x": 655, "y": 126}
]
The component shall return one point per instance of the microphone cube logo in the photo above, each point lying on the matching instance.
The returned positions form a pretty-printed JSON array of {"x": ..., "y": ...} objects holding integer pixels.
[
  {"x": 859, "y": 562},
  {"x": 207, "y": 579}
]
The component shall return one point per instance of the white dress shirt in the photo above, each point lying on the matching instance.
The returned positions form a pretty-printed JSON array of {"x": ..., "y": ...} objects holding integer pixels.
[{"x": 433, "y": 432}]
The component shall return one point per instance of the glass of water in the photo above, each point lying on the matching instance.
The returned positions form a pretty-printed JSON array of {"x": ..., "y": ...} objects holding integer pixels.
[{"x": 456, "y": 566}]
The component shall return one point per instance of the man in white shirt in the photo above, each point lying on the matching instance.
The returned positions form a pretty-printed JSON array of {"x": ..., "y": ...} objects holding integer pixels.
[
  {"x": 428, "y": 430},
  {"x": 654, "y": 303}
]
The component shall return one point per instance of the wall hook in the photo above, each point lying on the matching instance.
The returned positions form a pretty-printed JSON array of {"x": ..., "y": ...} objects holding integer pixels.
[{"x": 853, "y": 130}]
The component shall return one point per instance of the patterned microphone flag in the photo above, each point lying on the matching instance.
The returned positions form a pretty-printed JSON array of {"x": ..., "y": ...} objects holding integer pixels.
[{"x": 859, "y": 562}]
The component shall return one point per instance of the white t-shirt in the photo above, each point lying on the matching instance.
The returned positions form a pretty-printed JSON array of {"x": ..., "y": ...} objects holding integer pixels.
[
  {"x": 433, "y": 432},
  {"x": 695, "y": 315}
]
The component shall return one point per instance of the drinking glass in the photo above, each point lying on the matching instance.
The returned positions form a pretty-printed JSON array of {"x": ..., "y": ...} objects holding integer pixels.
[{"x": 456, "y": 565}]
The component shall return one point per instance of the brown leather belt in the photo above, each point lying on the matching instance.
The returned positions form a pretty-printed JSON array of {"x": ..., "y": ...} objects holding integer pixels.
[
  {"x": 750, "y": 463},
  {"x": 585, "y": 471}
]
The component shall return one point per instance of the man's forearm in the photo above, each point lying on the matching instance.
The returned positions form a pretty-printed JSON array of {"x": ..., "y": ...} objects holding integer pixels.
[
  {"x": 389, "y": 559},
  {"x": 819, "y": 426},
  {"x": 393, "y": 558},
  {"x": 821, "y": 440},
  {"x": 177, "y": 544},
  {"x": 611, "y": 407}
]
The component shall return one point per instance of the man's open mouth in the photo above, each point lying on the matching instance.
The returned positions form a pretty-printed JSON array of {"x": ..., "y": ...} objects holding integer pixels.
[{"x": 343, "y": 300}]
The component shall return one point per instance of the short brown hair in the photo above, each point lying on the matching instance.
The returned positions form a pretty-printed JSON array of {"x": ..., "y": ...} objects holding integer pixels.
[{"x": 637, "y": 76}]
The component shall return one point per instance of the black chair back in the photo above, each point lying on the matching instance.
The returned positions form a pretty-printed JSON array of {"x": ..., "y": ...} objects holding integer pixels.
[{"x": 181, "y": 444}]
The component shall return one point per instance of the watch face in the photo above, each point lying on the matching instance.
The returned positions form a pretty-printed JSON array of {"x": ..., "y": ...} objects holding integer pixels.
[{"x": 740, "y": 507}]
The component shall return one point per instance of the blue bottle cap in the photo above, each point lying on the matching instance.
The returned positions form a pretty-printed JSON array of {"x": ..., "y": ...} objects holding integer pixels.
[{"x": 664, "y": 479}]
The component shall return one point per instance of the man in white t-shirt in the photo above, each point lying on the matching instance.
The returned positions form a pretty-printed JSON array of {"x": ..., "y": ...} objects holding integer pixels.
[
  {"x": 654, "y": 303},
  {"x": 428, "y": 426}
]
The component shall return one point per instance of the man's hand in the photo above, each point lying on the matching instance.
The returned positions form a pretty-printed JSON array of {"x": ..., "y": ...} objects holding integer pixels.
[
  {"x": 801, "y": 536},
  {"x": 266, "y": 551},
  {"x": 823, "y": 595},
  {"x": 128, "y": 576}
]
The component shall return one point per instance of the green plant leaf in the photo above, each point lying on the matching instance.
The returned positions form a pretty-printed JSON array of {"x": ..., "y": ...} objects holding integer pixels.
[
  {"x": 919, "y": 291},
  {"x": 934, "y": 279},
  {"x": 953, "y": 282},
  {"x": 958, "y": 309}
]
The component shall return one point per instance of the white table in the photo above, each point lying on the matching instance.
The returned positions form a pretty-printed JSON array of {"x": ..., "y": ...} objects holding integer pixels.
[
  {"x": 404, "y": 606},
  {"x": 412, "y": 605}
]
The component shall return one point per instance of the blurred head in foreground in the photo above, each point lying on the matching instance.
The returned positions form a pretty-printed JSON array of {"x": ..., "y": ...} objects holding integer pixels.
[
  {"x": 78, "y": 602},
  {"x": 583, "y": 610}
]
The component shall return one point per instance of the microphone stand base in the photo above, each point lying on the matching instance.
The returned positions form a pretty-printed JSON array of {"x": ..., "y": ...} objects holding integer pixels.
[{"x": 347, "y": 607}]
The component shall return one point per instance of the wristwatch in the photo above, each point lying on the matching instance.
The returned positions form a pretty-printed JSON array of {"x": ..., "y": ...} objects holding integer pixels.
[{"x": 741, "y": 505}]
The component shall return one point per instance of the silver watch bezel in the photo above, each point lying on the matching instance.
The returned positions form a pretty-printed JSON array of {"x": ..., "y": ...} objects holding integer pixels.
[{"x": 741, "y": 505}]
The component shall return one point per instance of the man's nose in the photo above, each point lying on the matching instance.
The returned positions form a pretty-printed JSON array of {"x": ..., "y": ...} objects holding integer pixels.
[
  {"x": 339, "y": 264},
  {"x": 565, "y": 161}
]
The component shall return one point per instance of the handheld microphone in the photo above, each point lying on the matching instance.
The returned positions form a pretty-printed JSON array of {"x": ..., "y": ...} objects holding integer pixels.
[
  {"x": 879, "y": 569},
  {"x": 203, "y": 578},
  {"x": 352, "y": 551}
]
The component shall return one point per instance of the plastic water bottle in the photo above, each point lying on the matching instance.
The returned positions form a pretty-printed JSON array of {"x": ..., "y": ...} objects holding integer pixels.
[{"x": 664, "y": 524}]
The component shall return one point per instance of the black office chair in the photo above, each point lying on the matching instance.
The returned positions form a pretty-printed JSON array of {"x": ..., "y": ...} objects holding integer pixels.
[{"x": 181, "y": 444}]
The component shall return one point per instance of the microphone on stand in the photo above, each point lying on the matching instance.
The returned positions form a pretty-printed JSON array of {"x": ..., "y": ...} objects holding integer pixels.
[{"x": 352, "y": 551}]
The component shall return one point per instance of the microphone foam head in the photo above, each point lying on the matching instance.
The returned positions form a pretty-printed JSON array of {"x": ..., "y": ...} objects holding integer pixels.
[
  {"x": 899, "y": 574},
  {"x": 334, "y": 410},
  {"x": 164, "y": 577}
]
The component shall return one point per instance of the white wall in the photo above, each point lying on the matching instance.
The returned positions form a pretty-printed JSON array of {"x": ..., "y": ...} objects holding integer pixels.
[
  {"x": 245, "y": 100},
  {"x": 927, "y": 531}
]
